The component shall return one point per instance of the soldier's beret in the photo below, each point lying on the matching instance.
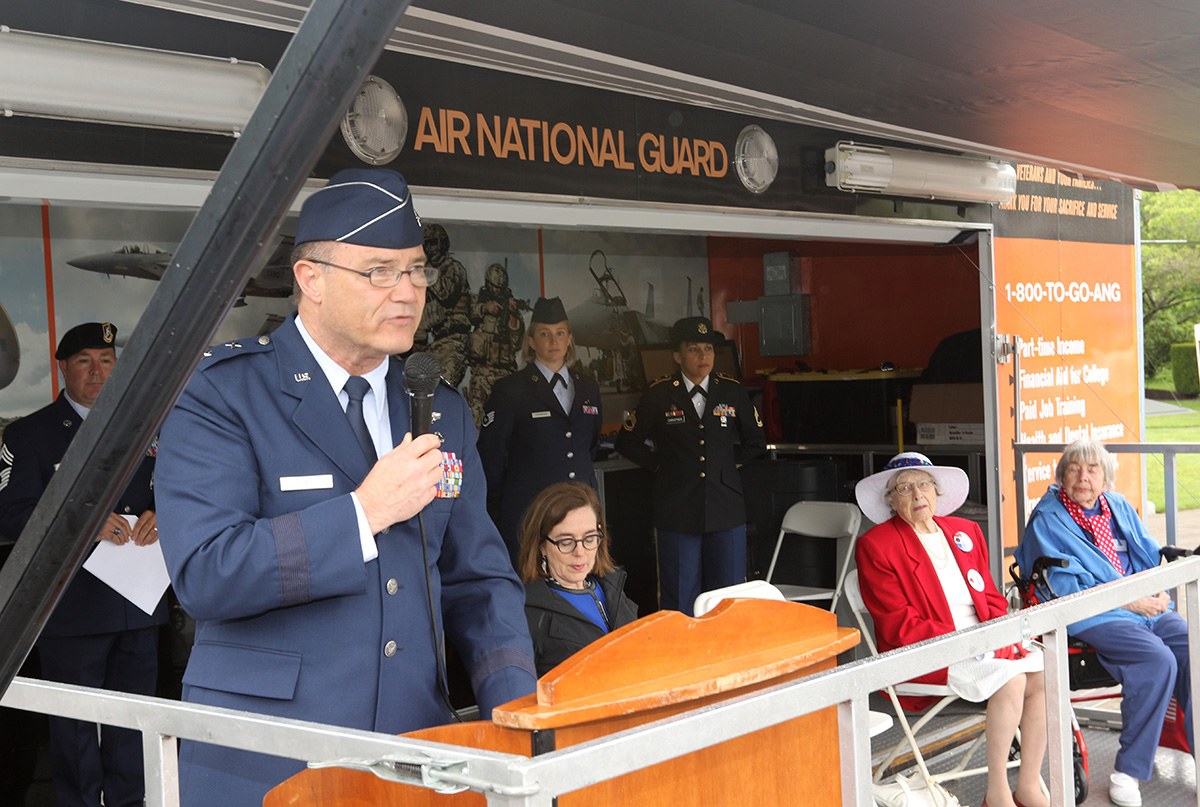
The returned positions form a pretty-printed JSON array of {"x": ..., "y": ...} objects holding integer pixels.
[
  {"x": 694, "y": 329},
  {"x": 96, "y": 335},
  {"x": 370, "y": 207}
]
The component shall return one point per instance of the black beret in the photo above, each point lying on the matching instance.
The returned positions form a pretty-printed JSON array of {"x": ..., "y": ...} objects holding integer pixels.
[
  {"x": 371, "y": 207},
  {"x": 694, "y": 329},
  {"x": 85, "y": 336},
  {"x": 549, "y": 312}
]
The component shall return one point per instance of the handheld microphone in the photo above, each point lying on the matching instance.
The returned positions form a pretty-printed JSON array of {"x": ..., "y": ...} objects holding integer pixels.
[{"x": 422, "y": 372}]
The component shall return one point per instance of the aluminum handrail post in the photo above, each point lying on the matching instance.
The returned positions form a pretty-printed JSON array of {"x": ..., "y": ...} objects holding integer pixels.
[
  {"x": 854, "y": 746},
  {"x": 1058, "y": 723},
  {"x": 160, "y": 756},
  {"x": 1171, "y": 505},
  {"x": 1191, "y": 593}
]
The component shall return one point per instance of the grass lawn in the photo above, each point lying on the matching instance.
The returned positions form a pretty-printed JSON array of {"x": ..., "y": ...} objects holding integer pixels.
[{"x": 1175, "y": 429}]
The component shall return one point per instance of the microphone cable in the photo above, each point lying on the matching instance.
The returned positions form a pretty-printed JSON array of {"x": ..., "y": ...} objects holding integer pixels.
[{"x": 422, "y": 374}]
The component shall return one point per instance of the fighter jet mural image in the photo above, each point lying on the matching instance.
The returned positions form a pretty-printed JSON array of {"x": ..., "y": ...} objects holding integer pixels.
[
  {"x": 149, "y": 262},
  {"x": 606, "y": 322},
  {"x": 10, "y": 349}
]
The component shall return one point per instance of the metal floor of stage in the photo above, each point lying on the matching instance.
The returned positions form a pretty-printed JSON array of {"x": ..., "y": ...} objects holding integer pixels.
[{"x": 1173, "y": 785}]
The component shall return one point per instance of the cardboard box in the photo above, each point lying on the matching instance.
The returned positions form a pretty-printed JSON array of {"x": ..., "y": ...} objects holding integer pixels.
[{"x": 948, "y": 413}]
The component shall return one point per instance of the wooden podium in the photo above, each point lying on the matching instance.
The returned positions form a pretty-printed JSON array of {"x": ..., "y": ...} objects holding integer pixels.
[{"x": 660, "y": 665}]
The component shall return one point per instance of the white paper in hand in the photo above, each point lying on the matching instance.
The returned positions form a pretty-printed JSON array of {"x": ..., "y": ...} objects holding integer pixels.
[{"x": 137, "y": 573}]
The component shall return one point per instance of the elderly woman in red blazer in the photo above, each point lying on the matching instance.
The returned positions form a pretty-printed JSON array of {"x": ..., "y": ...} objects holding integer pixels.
[{"x": 924, "y": 575}]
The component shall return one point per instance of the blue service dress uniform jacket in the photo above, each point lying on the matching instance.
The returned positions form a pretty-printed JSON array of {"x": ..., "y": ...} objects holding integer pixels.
[
  {"x": 697, "y": 485},
  {"x": 527, "y": 443},
  {"x": 255, "y": 473},
  {"x": 32, "y": 450}
]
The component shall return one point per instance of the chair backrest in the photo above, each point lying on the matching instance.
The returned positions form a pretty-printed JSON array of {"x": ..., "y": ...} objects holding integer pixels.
[
  {"x": 854, "y": 597},
  {"x": 819, "y": 520},
  {"x": 751, "y": 589},
  {"x": 822, "y": 519}
]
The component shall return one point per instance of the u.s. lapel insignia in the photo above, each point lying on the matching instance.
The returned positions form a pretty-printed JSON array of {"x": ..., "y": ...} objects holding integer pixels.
[{"x": 302, "y": 377}]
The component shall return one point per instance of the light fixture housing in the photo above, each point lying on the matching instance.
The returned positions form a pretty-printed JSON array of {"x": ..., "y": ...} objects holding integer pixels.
[
  {"x": 376, "y": 125},
  {"x": 77, "y": 79},
  {"x": 755, "y": 158},
  {"x": 859, "y": 168}
]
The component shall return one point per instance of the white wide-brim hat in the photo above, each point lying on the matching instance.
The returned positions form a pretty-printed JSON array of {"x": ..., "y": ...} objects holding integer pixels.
[{"x": 952, "y": 482}]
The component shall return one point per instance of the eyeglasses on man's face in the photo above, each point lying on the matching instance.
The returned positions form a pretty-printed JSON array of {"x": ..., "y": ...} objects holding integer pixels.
[
  {"x": 567, "y": 545},
  {"x": 387, "y": 276},
  {"x": 906, "y": 489}
]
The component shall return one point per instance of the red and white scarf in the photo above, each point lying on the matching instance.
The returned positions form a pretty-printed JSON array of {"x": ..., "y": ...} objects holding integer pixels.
[{"x": 1098, "y": 526}]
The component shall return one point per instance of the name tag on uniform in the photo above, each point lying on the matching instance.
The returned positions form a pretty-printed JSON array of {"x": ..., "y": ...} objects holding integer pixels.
[
  {"x": 311, "y": 482},
  {"x": 545, "y": 414}
]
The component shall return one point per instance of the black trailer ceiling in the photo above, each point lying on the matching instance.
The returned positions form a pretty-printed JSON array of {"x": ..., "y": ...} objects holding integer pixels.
[
  {"x": 1105, "y": 88},
  {"x": 1109, "y": 86}
]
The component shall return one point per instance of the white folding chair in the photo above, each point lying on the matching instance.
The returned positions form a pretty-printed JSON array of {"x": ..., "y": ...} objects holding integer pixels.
[
  {"x": 946, "y": 697},
  {"x": 831, "y": 520},
  {"x": 751, "y": 589}
]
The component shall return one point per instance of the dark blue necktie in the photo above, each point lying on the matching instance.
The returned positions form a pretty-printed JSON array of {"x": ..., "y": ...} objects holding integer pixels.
[{"x": 356, "y": 388}]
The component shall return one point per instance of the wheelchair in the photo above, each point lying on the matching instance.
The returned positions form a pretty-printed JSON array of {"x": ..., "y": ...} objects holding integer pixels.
[{"x": 1084, "y": 670}]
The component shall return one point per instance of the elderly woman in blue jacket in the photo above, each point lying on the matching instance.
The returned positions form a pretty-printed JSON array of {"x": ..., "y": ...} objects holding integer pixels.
[{"x": 1143, "y": 644}]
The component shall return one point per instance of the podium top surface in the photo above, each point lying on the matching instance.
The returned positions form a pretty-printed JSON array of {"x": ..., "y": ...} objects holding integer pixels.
[{"x": 668, "y": 658}]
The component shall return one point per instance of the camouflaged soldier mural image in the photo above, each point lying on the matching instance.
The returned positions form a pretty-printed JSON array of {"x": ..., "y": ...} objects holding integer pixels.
[
  {"x": 494, "y": 345},
  {"x": 446, "y": 320}
]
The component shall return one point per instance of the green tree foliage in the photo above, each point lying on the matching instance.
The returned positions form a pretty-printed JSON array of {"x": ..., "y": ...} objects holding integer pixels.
[{"x": 1170, "y": 272}]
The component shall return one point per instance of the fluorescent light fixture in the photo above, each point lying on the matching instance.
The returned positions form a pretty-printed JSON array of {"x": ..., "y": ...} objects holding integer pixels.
[
  {"x": 76, "y": 79},
  {"x": 906, "y": 172}
]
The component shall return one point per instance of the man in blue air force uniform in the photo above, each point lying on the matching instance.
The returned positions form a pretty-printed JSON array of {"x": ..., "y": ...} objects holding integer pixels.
[
  {"x": 298, "y": 553},
  {"x": 95, "y": 637}
]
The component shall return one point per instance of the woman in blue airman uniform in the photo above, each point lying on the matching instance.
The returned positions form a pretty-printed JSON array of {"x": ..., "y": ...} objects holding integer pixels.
[{"x": 541, "y": 424}]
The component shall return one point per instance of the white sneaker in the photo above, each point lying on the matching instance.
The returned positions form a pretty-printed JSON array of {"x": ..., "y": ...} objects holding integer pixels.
[{"x": 1123, "y": 790}]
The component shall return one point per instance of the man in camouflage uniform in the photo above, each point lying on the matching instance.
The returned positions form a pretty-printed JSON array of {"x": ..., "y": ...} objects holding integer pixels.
[
  {"x": 499, "y": 333},
  {"x": 446, "y": 322}
]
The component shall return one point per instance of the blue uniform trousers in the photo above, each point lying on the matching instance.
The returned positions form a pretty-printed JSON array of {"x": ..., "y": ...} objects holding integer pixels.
[
  {"x": 689, "y": 564},
  {"x": 1150, "y": 661},
  {"x": 86, "y": 765}
]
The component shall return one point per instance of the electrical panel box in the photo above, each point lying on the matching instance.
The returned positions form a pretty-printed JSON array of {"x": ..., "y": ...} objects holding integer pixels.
[{"x": 783, "y": 326}]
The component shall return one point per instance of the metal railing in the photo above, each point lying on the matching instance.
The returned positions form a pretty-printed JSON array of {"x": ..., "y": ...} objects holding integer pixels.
[{"x": 534, "y": 782}]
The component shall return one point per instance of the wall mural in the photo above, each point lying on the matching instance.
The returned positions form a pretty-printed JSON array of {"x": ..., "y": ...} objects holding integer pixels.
[{"x": 621, "y": 290}]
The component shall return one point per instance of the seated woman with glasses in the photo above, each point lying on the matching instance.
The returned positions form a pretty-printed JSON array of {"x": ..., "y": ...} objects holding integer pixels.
[
  {"x": 573, "y": 592},
  {"x": 923, "y": 575}
]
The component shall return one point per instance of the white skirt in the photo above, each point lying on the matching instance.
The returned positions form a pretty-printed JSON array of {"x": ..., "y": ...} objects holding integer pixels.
[{"x": 977, "y": 679}]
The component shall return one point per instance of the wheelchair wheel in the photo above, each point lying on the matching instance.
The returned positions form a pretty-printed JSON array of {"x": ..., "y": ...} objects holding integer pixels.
[{"x": 1081, "y": 782}]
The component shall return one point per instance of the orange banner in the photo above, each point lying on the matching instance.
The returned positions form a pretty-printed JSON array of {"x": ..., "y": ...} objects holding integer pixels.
[{"x": 1074, "y": 305}]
